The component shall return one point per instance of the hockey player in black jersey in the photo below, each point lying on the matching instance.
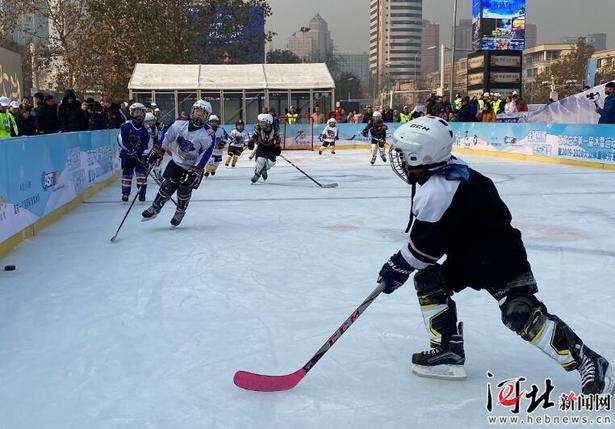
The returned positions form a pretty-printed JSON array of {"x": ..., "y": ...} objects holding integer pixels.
[
  {"x": 458, "y": 212},
  {"x": 269, "y": 146},
  {"x": 378, "y": 131}
]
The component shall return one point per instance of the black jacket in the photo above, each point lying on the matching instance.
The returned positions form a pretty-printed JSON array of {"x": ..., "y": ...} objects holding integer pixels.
[
  {"x": 115, "y": 116},
  {"x": 47, "y": 121},
  {"x": 70, "y": 114},
  {"x": 97, "y": 121},
  {"x": 26, "y": 127}
]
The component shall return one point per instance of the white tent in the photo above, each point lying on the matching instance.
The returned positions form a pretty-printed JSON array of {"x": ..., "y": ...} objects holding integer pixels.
[{"x": 236, "y": 91}]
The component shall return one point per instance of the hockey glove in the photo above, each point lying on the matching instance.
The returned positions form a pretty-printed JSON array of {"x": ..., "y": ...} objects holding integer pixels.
[
  {"x": 277, "y": 151},
  {"x": 251, "y": 145},
  {"x": 394, "y": 273},
  {"x": 156, "y": 155},
  {"x": 192, "y": 177},
  {"x": 364, "y": 132}
]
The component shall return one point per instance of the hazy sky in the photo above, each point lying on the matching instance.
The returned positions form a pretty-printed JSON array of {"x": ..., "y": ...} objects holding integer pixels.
[{"x": 348, "y": 19}]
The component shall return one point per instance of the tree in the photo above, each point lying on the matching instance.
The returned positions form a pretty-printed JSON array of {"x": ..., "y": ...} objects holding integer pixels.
[
  {"x": 348, "y": 85},
  {"x": 282, "y": 56},
  {"x": 606, "y": 73},
  {"x": 567, "y": 73}
]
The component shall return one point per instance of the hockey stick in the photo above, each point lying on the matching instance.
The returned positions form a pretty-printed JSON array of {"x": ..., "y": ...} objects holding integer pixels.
[
  {"x": 274, "y": 383},
  {"x": 131, "y": 204},
  {"x": 328, "y": 185}
]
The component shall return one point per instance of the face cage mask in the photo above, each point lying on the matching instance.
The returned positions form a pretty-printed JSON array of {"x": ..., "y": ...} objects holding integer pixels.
[
  {"x": 138, "y": 116},
  {"x": 410, "y": 175},
  {"x": 196, "y": 121}
]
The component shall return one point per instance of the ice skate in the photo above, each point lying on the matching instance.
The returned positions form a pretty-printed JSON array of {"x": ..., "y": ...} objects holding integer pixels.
[
  {"x": 444, "y": 362},
  {"x": 597, "y": 374},
  {"x": 264, "y": 174},
  {"x": 177, "y": 218},
  {"x": 149, "y": 214},
  {"x": 255, "y": 178},
  {"x": 124, "y": 198}
]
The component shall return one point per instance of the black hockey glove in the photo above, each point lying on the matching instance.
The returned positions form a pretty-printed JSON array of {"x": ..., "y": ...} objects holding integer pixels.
[
  {"x": 192, "y": 177},
  {"x": 394, "y": 273},
  {"x": 251, "y": 145},
  {"x": 156, "y": 155}
]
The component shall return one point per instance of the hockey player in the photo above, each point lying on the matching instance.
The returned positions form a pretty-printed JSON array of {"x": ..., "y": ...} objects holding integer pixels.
[
  {"x": 328, "y": 136},
  {"x": 458, "y": 212},
  {"x": 152, "y": 128},
  {"x": 378, "y": 130},
  {"x": 191, "y": 147},
  {"x": 133, "y": 141},
  {"x": 220, "y": 137},
  {"x": 239, "y": 139},
  {"x": 268, "y": 141}
]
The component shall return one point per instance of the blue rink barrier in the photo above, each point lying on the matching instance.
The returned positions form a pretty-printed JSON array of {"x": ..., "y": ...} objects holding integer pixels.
[
  {"x": 589, "y": 145},
  {"x": 42, "y": 177}
]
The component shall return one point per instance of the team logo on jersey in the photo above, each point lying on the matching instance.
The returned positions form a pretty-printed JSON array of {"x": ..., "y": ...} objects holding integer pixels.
[{"x": 185, "y": 145}]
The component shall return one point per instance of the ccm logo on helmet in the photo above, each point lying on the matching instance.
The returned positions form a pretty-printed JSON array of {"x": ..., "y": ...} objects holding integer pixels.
[{"x": 420, "y": 127}]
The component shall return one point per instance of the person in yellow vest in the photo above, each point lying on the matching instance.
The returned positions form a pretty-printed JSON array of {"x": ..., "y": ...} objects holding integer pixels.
[
  {"x": 498, "y": 105},
  {"x": 292, "y": 116},
  {"x": 8, "y": 126},
  {"x": 483, "y": 101},
  {"x": 457, "y": 102},
  {"x": 405, "y": 115}
]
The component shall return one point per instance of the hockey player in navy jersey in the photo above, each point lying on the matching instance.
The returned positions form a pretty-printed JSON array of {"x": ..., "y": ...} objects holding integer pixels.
[
  {"x": 378, "y": 131},
  {"x": 269, "y": 146},
  {"x": 191, "y": 147},
  {"x": 133, "y": 140},
  {"x": 221, "y": 138},
  {"x": 458, "y": 212}
]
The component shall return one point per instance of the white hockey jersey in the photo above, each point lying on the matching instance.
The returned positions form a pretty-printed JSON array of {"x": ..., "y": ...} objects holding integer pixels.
[
  {"x": 330, "y": 134},
  {"x": 239, "y": 138},
  {"x": 220, "y": 138},
  {"x": 188, "y": 148}
]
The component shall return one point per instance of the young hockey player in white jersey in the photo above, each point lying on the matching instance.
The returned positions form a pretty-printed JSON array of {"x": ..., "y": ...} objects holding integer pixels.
[
  {"x": 191, "y": 147},
  {"x": 269, "y": 146},
  {"x": 329, "y": 136},
  {"x": 458, "y": 212},
  {"x": 220, "y": 137},
  {"x": 239, "y": 140}
]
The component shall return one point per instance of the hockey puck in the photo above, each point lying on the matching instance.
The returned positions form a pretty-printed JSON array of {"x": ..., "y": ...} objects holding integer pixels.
[{"x": 9, "y": 268}]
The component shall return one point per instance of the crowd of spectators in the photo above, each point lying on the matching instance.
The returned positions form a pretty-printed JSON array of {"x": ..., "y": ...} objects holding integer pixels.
[{"x": 42, "y": 114}]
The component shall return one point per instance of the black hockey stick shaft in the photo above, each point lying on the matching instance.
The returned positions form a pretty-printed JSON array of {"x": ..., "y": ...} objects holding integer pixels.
[
  {"x": 304, "y": 173},
  {"x": 344, "y": 327},
  {"x": 149, "y": 169}
]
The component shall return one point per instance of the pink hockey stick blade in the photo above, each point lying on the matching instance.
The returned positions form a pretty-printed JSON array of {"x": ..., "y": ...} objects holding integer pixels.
[{"x": 267, "y": 383}]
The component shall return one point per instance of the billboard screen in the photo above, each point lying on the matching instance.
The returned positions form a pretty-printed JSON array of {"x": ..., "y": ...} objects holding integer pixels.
[{"x": 499, "y": 25}]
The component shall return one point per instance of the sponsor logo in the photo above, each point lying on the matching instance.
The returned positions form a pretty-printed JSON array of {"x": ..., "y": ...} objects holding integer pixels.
[{"x": 49, "y": 179}]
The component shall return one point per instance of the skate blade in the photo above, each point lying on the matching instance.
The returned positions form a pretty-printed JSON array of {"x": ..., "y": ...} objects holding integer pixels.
[
  {"x": 147, "y": 219},
  {"x": 442, "y": 372}
]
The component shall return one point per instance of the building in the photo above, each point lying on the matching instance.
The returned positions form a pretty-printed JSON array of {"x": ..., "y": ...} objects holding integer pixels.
[
  {"x": 605, "y": 58},
  {"x": 537, "y": 60},
  {"x": 395, "y": 42},
  {"x": 430, "y": 44},
  {"x": 313, "y": 42},
  {"x": 432, "y": 80},
  {"x": 357, "y": 64},
  {"x": 235, "y": 91},
  {"x": 531, "y": 35},
  {"x": 463, "y": 38},
  {"x": 597, "y": 40}
]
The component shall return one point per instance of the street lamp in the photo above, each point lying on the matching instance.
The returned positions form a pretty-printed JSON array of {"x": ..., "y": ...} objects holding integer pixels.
[
  {"x": 350, "y": 79},
  {"x": 453, "y": 47}
]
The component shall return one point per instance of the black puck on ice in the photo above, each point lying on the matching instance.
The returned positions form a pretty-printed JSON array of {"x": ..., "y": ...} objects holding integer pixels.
[{"x": 9, "y": 268}]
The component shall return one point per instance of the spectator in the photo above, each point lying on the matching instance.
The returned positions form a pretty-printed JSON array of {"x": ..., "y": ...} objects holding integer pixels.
[
  {"x": 350, "y": 117},
  {"x": 47, "y": 121},
  {"x": 318, "y": 117},
  {"x": 97, "y": 118},
  {"x": 367, "y": 116},
  {"x": 70, "y": 113},
  {"x": 86, "y": 109},
  {"x": 8, "y": 126},
  {"x": 444, "y": 113},
  {"x": 404, "y": 115},
  {"x": 25, "y": 123},
  {"x": 607, "y": 112},
  {"x": 292, "y": 116},
  {"x": 510, "y": 107},
  {"x": 464, "y": 114},
  {"x": 339, "y": 112},
  {"x": 387, "y": 114},
  {"x": 344, "y": 116},
  {"x": 486, "y": 114},
  {"x": 25, "y": 103},
  {"x": 418, "y": 111},
  {"x": 521, "y": 106},
  {"x": 497, "y": 103},
  {"x": 446, "y": 103},
  {"x": 37, "y": 102},
  {"x": 115, "y": 117},
  {"x": 395, "y": 116},
  {"x": 457, "y": 102},
  {"x": 473, "y": 108},
  {"x": 14, "y": 109}
]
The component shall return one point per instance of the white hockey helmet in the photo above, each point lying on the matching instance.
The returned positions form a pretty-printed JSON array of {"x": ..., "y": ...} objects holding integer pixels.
[
  {"x": 265, "y": 119},
  {"x": 332, "y": 122},
  {"x": 213, "y": 118},
  {"x": 420, "y": 145},
  {"x": 137, "y": 111},
  {"x": 376, "y": 114},
  {"x": 149, "y": 116},
  {"x": 201, "y": 109}
]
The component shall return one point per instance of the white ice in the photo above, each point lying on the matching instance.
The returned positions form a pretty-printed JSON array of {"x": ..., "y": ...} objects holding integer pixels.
[{"x": 147, "y": 332}]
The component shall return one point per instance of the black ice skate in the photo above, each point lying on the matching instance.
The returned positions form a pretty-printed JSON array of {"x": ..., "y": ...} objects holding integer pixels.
[
  {"x": 255, "y": 178},
  {"x": 596, "y": 373},
  {"x": 264, "y": 174},
  {"x": 149, "y": 214},
  {"x": 444, "y": 361},
  {"x": 384, "y": 158},
  {"x": 373, "y": 161},
  {"x": 320, "y": 152},
  {"x": 177, "y": 218},
  {"x": 206, "y": 174},
  {"x": 125, "y": 198},
  {"x": 142, "y": 198}
]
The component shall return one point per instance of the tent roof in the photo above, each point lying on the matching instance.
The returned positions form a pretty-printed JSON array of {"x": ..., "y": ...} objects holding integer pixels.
[{"x": 230, "y": 77}]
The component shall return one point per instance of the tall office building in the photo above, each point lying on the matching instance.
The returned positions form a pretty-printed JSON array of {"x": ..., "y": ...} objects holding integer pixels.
[
  {"x": 313, "y": 42},
  {"x": 531, "y": 35},
  {"x": 430, "y": 48},
  {"x": 395, "y": 41},
  {"x": 463, "y": 38},
  {"x": 597, "y": 40}
]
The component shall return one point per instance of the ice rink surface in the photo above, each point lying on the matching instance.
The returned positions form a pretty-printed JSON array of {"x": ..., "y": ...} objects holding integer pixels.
[{"x": 148, "y": 331}]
